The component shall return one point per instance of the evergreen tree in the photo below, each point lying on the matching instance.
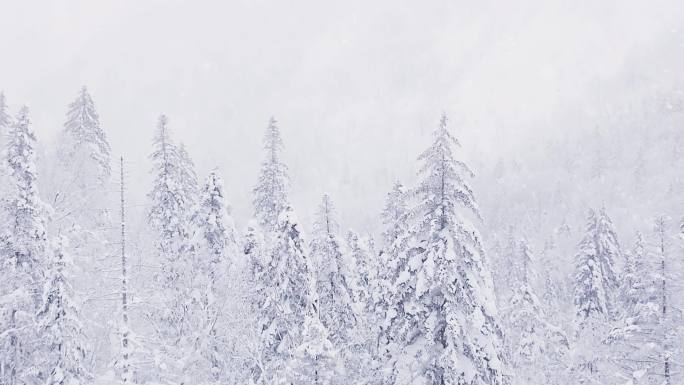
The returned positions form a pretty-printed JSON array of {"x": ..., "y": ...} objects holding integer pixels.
[
  {"x": 171, "y": 218},
  {"x": 595, "y": 279},
  {"x": 187, "y": 177},
  {"x": 216, "y": 248},
  {"x": 335, "y": 304},
  {"x": 270, "y": 193},
  {"x": 5, "y": 119},
  {"x": 5, "y": 124},
  {"x": 314, "y": 361},
  {"x": 634, "y": 338},
  {"x": 85, "y": 144},
  {"x": 23, "y": 249},
  {"x": 538, "y": 348},
  {"x": 364, "y": 284},
  {"x": 362, "y": 352},
  {"x": 216, "y": 228},
  {"x": 282, "y": 295},
  {"x": 60, "y": 326},
  {"x": 78, "y": 189},
  {"x": 595, "y": 292},
  {"x": 443, "y": 321},
  {"x": 170, "y": 211}
]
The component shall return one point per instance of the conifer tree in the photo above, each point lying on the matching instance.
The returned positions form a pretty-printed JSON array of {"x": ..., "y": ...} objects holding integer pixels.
[
  {"x": 216, "y": 250},
  {"x": 270, "y": 193},
  {"x": 283, "y": 296},
  {"x": 60, "y": 326},
  {"x": 595, "y": 279},
  {"x": 23, "y": 251},
  {"x": 594, "y": 296},
  {"x": 5, "y": 124},
  {"x": 332, "y": 275},
  {"x": 85, "y": 144},
  {"x": 538, "y": 348},
  {"x": 5, "y": 119},
  {"x": 171, "y": 218},
  {"x": 443, "y": 318},
  {"x": 364, "y": 283},
  {"x": 216, "y": 228},
  {"x": 314, "y": 361},
  {"x": 170, "y": 211}
]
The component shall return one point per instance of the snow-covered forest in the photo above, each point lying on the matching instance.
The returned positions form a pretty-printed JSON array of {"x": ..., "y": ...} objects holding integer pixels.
[{"x": 548, "y": 250}]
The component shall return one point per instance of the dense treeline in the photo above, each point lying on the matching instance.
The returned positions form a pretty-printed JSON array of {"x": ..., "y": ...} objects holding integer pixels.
[{"x": 421, "y": 303}]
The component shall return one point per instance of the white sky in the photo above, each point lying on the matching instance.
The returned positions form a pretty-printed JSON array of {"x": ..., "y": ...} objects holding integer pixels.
[{"x": 356, "y": 86}]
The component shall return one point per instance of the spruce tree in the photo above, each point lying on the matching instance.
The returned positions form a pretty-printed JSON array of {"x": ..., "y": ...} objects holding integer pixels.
[
  {"x": 85, "y": 143},
  {"x": 216, "y": 250},
  {"x": 594, "y": 296},
  {"x": 23, "y": 252},
  {"x": 170, "y": 216},
  {"x": 5, "y": 119},
  {"x": 283, "y": 299},
  {"x": 335, "y": 303},
  {"x": 595, "y": 278},
  {"x": 270, "y": 193},
  {"x": 538, "y": 348},
  {"x": 60, "y": 325},
  {"x": 443, "y": 318}
]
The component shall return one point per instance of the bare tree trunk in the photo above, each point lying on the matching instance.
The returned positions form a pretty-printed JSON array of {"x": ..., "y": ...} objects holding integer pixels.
[{"x": 124, "y": 286}]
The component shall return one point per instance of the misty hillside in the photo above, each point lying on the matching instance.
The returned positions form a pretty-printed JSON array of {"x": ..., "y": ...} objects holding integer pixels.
[{"x": 369, "y": 194}]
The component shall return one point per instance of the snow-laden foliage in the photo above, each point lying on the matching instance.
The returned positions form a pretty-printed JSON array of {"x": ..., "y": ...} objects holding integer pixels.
[
  {"x": 333, "y": 278},
  {"x": 175, "y": 296},
  {"x": 282, "y": 299},
  {"x": 538, "y": 349},
  {"x": 314, "y": 361},
  {"x": 443, "y": 318},
  {"x": 270, "y": 193},
  {"x": 595, "y": 279},
  {"x": 60, "y": 325},
  {"x": 24, "y": 253},
  {"x": 5, "y": 118},
  {"x": 85, "y": 144},
  {"x": 170, "y": 212}
]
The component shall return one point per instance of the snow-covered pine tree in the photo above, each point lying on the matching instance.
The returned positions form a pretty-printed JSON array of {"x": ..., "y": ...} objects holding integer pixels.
[
  {"x": 5, "y": 123},
  {"x": 216, "y": 229},
  {"x": 314, "y": 361},
  {"x": 594, "y": 297},
  {"x": 394, "y": 236},
  {"x": 595, "y": 279},
  {"x": 634, "y": 337},
  {"x": 335, "y": 304},
  {"x": 364, "y": 276},
  {"x": 188, "y": 178},
  {"x": 63, "y": 353},
  {"x": 78, "y": 189},
  {"x": 170, "y": 218},
  {"x": 5, "y": 119},
  {"x": 538, "y": 348},
  {"x": 392, "y": 256},
  {"x": 362, "y": 352},
  {"x": 270, "y": 193},
  {"x": 443, "y": 322},
  {"x": 86, "y": 145},
  {"x": 282, "y": 297},
  {"x": 23, "y": 251},
  {"x": 215, "y": 250},
  {"x": 637, "y": 290},
  {"x": 170, "y": 211}
]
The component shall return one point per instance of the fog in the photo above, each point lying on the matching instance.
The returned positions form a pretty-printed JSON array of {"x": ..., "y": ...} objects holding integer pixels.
[{"x": 356, "y": 86}]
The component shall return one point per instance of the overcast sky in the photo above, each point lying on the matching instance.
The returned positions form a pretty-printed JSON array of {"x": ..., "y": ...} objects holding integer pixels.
[{"x": 357, "y": 86}]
